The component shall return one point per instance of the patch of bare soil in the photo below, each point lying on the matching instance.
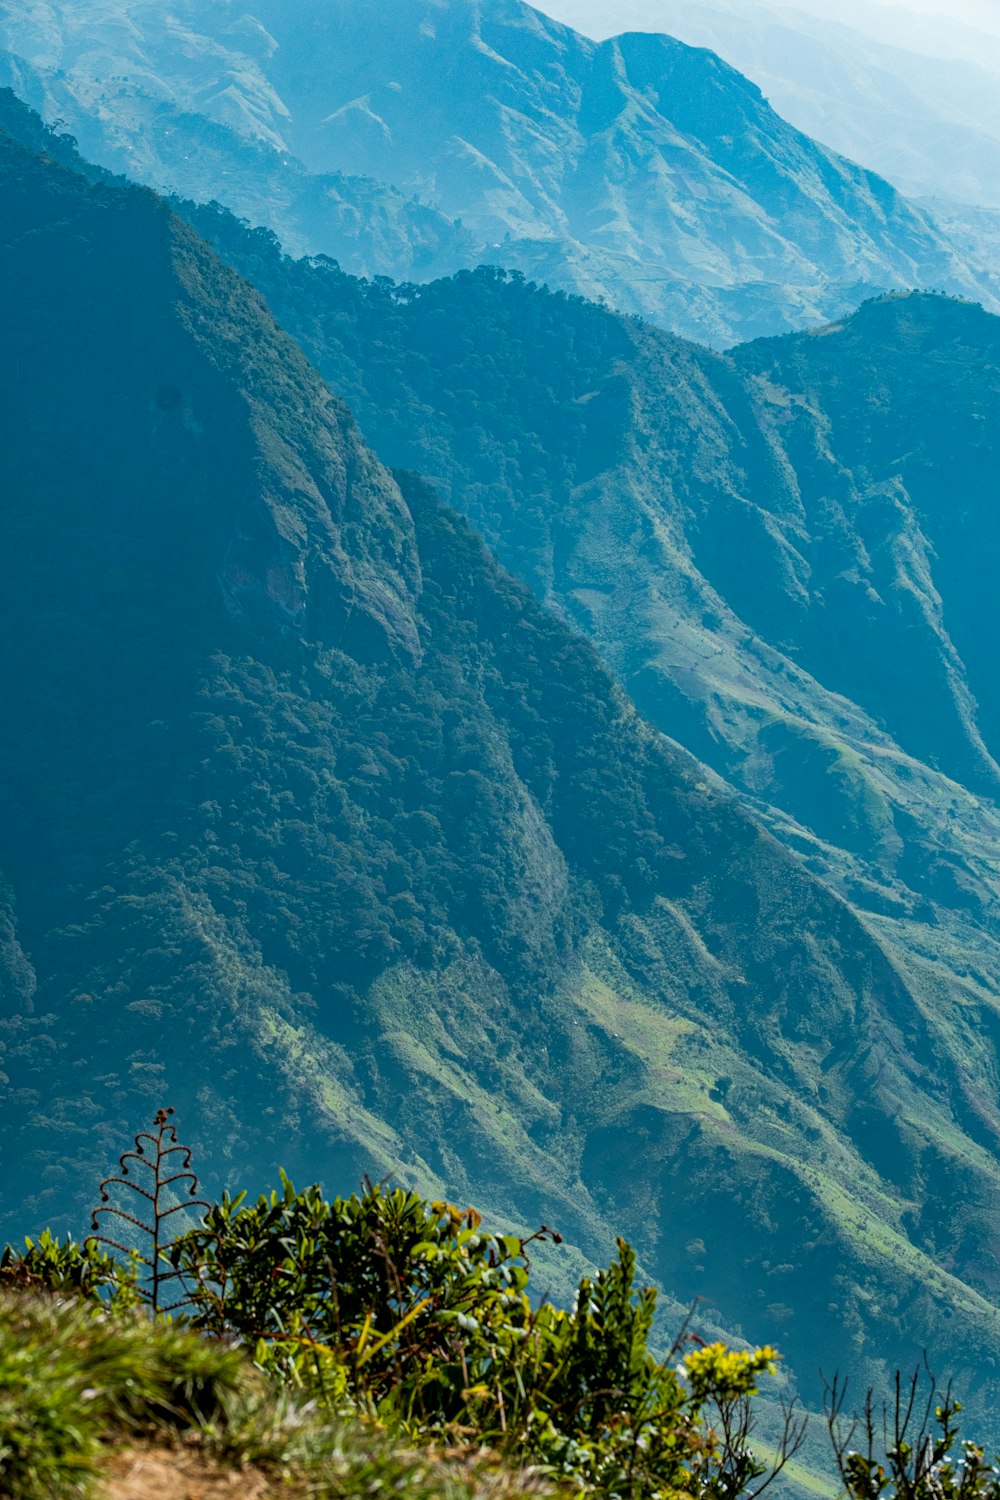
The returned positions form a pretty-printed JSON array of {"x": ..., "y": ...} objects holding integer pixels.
[{"x": 177, "y": 1474}]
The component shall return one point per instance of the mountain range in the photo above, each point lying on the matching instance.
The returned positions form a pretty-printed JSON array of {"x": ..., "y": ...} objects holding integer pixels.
[
  {"x": 342, "y": 836},
  {"x": 637, "y": 169}
]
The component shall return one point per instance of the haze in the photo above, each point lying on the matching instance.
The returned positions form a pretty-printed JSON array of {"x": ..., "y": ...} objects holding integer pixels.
[{"x": 927, "y": 26}]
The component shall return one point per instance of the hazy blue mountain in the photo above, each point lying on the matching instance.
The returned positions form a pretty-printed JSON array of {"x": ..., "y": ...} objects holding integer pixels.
[
  {"x": 369, "y": 227},
  {"x": 924, "y": 114},
  {"x": 318, "y": 824},
  {"x": 638, "y": 169}
]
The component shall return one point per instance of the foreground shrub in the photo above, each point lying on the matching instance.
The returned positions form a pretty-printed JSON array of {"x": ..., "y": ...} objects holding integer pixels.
[
  {"x": 64, "y": 1266},
  {"x": 325, "y": 1331},
  {"x": 389, "y": 1307},
  {"x": 412, "y": 1311},
  {"x": 910, "y": 1449}
]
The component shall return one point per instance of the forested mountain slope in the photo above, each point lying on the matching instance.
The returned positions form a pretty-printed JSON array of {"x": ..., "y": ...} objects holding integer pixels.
[
  {"x": 638, "y": 169},
  {"x": 787, "y": 556},
  {"x": 317, "y": 824},
  {"x": 573, "y": 438}
]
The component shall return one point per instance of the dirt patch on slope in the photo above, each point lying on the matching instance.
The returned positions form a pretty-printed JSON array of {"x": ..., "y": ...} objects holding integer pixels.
[{"x": 176, "y": 1474}]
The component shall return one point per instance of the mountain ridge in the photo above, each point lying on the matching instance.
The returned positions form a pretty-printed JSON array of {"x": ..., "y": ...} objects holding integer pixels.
[
  {"x": 591, "y": 164},
  {"x": 922, "y": 116}
]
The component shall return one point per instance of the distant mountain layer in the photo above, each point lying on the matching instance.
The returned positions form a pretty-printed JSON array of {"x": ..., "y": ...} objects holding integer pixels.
[
  {"x": 369, "y": 227},
  {"x": 638, "y": 169},
  {"x": 918, "y": 100},
  {"x": 319, "y": 827}
]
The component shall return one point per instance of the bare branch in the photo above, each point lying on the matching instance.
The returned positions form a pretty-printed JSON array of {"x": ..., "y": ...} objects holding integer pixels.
[{"x": 164, "y": 1146}]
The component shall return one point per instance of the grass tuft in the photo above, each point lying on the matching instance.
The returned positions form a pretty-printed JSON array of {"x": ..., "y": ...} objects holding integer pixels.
[
  {"x": 72, "y": 1375},
  {"x": 79, "y": 1383}
]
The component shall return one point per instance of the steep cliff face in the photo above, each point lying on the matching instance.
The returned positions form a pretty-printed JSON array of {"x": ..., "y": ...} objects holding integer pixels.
[
  {"x": 637, "y": 169},
  {"x": 892, "y": 418}
]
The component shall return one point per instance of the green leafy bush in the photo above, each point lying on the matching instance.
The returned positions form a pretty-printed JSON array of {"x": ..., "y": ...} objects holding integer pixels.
[
  {"x": 413, "y": 1311},
  {"x": 52, "y": 1265}
]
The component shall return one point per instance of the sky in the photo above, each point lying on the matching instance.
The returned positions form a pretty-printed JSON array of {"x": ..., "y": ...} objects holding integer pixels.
[
  {"x": 946, "y": 28},
  {"x": 904, "y": 21}
]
